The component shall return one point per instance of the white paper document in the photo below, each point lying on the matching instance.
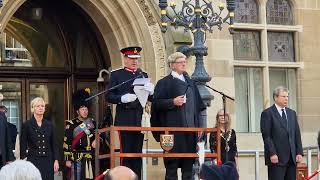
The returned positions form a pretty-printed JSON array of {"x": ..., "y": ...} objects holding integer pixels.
[{"x": 139, "y": 90}]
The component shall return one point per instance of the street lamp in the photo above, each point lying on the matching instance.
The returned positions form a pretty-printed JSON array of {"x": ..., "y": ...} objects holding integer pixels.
[{"x": 199, "y": 17}]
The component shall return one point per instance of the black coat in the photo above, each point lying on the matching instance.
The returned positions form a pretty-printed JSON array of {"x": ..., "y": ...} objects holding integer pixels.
[
  {"x": 232, "y": 143},
  {"x": 41, "y": 145},
  {"x": 166, "y": 114},
  {"x": 127, "y": 114},
  {"x": 13, "y": 133},
  {"x": 277, "y": 138},
  {"x": 6, "y": 145}
]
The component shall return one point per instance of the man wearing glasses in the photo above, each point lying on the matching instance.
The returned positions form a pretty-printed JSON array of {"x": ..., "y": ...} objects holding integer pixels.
[{"x": 177, "y": 103}]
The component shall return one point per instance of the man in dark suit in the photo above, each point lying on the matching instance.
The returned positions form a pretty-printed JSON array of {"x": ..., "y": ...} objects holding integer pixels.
[
  {"x": 6, "y": 154},
  {"x": 12, "y": 128},
  {"x": 281, "y": 135}
]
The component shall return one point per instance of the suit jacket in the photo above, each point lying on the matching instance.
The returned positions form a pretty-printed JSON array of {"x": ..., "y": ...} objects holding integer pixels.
[
  {"x": 38, "y": 141},
  {"x": 278, "y": 139},
  {"x": 6, "y": 145}
]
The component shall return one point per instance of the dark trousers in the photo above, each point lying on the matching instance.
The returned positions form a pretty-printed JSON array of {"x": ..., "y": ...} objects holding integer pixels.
[
  {"x": 131, "y": 142},
  {"x": 172, "y": 165},
  {"x": 287, "y": 172}
]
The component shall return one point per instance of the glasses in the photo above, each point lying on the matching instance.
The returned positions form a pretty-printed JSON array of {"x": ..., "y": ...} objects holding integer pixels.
[
  {"x": 222, "y": 115},
  {"x": 180, "y": 62}
]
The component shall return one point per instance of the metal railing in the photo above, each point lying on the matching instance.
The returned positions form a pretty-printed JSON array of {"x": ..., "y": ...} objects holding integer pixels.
[{"x": 308, "y": 152}]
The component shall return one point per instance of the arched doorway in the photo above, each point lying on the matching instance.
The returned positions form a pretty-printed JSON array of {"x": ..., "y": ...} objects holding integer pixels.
[
  {"x": 61, "y": 62},
  {"x": 49, "y": 50}
]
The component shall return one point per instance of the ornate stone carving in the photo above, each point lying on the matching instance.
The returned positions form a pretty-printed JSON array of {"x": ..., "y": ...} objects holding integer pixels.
[
  {"x": 159, "y": 49},
  {"x": 146, "y": 12},
  {"x": 157, "y": 39}
]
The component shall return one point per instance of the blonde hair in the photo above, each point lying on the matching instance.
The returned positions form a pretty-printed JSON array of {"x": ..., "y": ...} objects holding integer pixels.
[
  {"x": 173, "y": 57},
  {"x": 227, "y": 119},
  {"x": 36, "y": 101}
]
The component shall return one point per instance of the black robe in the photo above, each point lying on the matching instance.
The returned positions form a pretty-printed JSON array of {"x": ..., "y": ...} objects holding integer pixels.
[
  {"x": 39, "y": 145},
  {"x": 166, "y": 114}
]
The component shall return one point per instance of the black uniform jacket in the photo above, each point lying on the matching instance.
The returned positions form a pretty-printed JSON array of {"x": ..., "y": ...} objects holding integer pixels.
[
  {"x": 39, "y": 141},
  {"x": 278, "y": 139},
  {"x": 127, "y": 114},
  {"x": 165, "y": 113}
]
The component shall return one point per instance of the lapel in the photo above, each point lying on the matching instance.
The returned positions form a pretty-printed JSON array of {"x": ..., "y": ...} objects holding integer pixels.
[
  {"x": 188, "y": 81},
  {"x": 290, "y": 119},
  {"x": 35, "y": 126},
  {"x": 178, "y": 87},
  {"x": 278, "y": 117}
]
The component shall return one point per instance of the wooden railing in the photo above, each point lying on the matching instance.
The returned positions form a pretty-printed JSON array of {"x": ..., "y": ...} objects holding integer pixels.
[{"x": 112, "y": 155}]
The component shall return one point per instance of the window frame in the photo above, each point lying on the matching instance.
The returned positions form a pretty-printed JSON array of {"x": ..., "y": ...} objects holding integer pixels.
[{"x": 263, "y": 27}]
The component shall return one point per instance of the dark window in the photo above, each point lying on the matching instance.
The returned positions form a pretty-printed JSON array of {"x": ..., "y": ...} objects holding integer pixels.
[
  {"x": 280, "y": 46},
  {"x": 246, "y": 45},
  {"x": 279, "y": 12},
  {"x": 246, "y": 11}
]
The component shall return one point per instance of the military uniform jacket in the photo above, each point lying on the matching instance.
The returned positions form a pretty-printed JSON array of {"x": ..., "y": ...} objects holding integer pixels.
[
  {"x": 166, "y": 114},
  {"x": 39, "y": 141},
  {"x": 127, "y": 114},
  {"x": 83, "y": 145}
]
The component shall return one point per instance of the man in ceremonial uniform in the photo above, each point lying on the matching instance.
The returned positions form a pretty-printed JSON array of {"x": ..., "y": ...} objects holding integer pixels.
[
  {"x": 79, "y": 141},
  {"x": 177, "y": 103},
  {"x": 129, "y": 110}
]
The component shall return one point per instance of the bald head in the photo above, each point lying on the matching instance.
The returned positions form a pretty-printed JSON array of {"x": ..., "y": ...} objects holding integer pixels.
[{"x": 121, "y": 173}]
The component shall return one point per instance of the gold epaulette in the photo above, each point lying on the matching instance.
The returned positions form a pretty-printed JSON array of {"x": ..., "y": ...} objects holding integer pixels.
[{"x": 71, "y": 120}]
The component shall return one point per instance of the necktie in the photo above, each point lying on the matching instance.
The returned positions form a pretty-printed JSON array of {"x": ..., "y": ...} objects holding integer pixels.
[{"x": 284, "y": 118}]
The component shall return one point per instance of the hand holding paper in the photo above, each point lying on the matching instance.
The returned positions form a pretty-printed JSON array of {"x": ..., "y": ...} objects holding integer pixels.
[{"x": 149, "y": 87}]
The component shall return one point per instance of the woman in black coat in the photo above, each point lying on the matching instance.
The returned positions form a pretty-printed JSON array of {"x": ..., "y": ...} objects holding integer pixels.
[
  {"x": 37, "y": 141},
  {"x": 228, "y": 138}
]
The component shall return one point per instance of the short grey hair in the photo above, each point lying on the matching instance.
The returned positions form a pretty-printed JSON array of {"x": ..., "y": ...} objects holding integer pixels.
[
  {"x": 35, "y": 101},
  {"x": 20, "y": 169},
  {"x": 279, "y": 89},
  {"x": 173, "y": 57}
]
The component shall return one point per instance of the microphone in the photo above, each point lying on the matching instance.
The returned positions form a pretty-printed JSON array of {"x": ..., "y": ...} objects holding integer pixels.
[{"x": 140, "y": 72}]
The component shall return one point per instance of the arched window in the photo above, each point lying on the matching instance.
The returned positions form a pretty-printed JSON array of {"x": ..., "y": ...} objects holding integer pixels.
[
  {"x": 246, "y": 11},
  {"x": 279, "y": 12}
]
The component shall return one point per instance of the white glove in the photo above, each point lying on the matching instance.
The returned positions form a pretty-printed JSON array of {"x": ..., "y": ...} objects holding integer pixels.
[
  {"x": 149, "y": 87},
  {"x": 128, "y": 98}
]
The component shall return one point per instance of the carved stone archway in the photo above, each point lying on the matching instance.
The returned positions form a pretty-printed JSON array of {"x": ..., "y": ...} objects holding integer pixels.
[{"x": 121, "y": 23}]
